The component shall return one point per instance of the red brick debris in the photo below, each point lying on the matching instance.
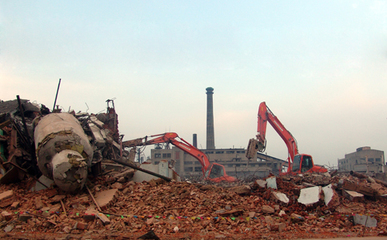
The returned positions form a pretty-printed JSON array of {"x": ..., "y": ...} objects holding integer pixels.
[{"x": 183, "y": 210}]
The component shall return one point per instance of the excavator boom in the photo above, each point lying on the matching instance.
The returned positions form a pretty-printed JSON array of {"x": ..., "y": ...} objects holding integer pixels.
[
  {"x": 213, "y": 172},
  {"x": 297, "y": 163}
]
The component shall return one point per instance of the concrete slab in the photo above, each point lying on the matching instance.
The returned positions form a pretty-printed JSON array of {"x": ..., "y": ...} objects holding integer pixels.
[
  {"x": 353, "y": 196},
  {"x": 328, "y": 194},
  {"x": 38, "y": 186},
  {"x": 105, "y": 197},
  {"x": 309, "y": 196},
  {"x": 281, "y": 197},
  {"x": 261, "y": 183},
  {"x": 365, "y": 220},
  {"x": 271, "y": 182}
]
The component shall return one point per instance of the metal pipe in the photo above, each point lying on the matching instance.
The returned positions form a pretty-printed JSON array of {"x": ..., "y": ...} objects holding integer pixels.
[
  {"x": 56, "y": 96},
  {"x": 142, "y": 170}
]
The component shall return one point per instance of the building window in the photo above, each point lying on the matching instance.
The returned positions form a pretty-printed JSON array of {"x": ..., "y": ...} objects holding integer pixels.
[
  {"x": 188, "y": 162},
  {"x": 219, "y": 152},
  {"x": 198, "y": 169},
  {"x": 157, "y": 155},
  {"x": 188, "y": 169},
  {"x": 240, "y": 151},
  {"x": 209, "y": 152},
  {"x": 230, "y": 152},
  {"x": 156, "y": 162},
  {"x": 166, "y": 155}
]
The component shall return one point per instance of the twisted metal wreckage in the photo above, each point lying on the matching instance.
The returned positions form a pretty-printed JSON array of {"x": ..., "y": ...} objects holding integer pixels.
[{"x": 63, "y": 147}]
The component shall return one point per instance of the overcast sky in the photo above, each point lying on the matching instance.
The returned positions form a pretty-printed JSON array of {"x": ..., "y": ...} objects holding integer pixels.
[{"x": 320, "y": 66}]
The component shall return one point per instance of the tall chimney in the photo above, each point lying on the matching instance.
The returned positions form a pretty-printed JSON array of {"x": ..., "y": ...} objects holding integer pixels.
[
  {"x": 195, "y": 140},
  {"x": 210, "y": 119}
]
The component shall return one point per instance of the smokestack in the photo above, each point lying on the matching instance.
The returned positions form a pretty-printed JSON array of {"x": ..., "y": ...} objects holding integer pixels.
[
  {"x": 195, "y": 140},
  {"x": 210, "y": 119}
]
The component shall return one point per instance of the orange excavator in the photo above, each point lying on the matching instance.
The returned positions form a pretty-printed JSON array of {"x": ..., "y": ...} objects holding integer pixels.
[
  {"x": 213, "y": 172},
  {"x": 297, "y": 163}
]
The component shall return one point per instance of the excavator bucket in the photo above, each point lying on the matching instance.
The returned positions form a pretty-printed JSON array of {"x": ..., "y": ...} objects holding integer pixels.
[{"x": 252, "y": 148}]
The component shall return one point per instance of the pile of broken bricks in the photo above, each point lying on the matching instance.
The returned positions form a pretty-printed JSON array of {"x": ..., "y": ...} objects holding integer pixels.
[{"x": 287, "y": 207}]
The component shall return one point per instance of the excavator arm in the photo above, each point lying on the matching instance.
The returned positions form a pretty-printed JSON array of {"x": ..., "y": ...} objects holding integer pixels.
[
  {"x": 183, "y": 145},
  {"x": 304, "y": 162},
  {"x": 214, "y": 172},
  {"x": 259, "y": 144}
]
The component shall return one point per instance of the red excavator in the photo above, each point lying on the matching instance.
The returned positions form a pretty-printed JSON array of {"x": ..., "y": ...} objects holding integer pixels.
[
  {"x": 297, "y": 163},
  {"x": 214, "y": 172}
]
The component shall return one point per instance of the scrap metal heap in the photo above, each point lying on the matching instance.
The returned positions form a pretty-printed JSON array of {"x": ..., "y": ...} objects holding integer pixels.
[{"x": 64, "y": 147}]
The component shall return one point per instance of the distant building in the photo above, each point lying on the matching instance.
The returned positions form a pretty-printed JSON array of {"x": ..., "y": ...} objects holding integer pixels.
[
  {"x": 364, "y": 160},
  {"x": 233, "y": 159}
]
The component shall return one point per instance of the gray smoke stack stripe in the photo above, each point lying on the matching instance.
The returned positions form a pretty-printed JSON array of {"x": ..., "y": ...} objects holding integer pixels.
[
  {"x": 210, "y": 119},
  {"x": 195, "y": 140}
]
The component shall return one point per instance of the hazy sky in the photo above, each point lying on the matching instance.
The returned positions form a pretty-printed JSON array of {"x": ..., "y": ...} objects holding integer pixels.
[{"x": 321, "y": 67}]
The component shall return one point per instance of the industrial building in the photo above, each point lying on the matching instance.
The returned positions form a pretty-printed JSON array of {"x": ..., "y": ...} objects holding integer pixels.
[
  {"x": 364, "y": 160},
  {"x": 233, "y": 159}
]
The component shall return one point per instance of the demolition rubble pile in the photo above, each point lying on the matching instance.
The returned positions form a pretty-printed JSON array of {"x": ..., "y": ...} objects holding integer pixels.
[
  {"x": 81, "y": 198},
  {"x": 274, "y": 207}
]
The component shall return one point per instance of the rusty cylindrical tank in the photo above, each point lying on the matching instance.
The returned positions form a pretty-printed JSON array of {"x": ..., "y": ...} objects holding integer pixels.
[{"x": 63, "y": 150}]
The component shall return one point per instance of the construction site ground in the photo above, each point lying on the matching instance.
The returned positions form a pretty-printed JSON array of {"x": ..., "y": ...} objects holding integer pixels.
[{"x": 108, "y": 209}]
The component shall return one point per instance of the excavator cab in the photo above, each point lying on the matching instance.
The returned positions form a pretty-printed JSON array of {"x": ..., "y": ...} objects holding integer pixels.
[
  {"x": 302, "y": 163},
  {"x": 216, "y": 171}
]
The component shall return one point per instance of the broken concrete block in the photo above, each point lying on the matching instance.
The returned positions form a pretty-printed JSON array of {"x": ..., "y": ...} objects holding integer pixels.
[
  {"x": 365, "y": 220},
  {"x": 271, "y": 182},
  {"x": 267, "y": 209},
  {"x": 6, "y": 215},
  {"x": 6, "y": 195},
  {"x": 39, "y": 186},
  {"x": 241, "y": 190},
  {"x": 309, "y": 196},
  {"x": 80, "y": 225},
  {"x": 261, "y": 183},
  {"x": 6, "y": 198},
  {"x": 348, "y": 185},
  {"x": 104, "y": 198},
  {"x": 353, "y": 196},
  {"x": 281, "y": 197},
  {"x": 38, "y": 203},
  {"x": 15, "y": 205},
  {"x": 328, "y": 194},
  {"x": 282, "y": 213}
]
